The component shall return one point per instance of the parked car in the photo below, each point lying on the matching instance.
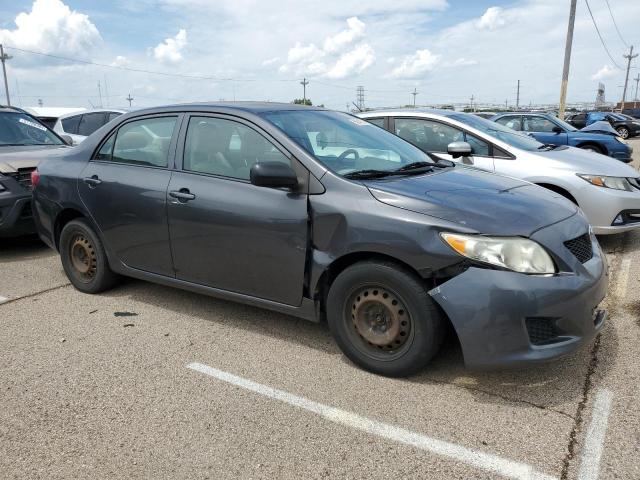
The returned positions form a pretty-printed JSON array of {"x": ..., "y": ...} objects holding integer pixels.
[
  {"x": 484, "y": 114},
  {"x": 606, "y": 190},
  {"x": 49, "y": 115},
  {"x": 632, "y": 112},
  {"x": 321, "y": 215},
  {"x": 551, "y": 130},
  {"x": 80, "y": 125},
  {"x": 23, "y": 142},
  {"x": 625, "y": 126}
]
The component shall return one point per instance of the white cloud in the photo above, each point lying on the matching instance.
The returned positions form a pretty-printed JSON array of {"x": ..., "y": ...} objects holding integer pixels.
[
  {"x": 604, "y": 72},
  {"x": 52, "y": 27},
  {"x": 352, "y": 62},
  {"x": 270, "y": 61},
  {"x": 415, "y": 65},
  {"x": 120, "y": 61},
  {"x": 461, "y": 62},
  {"x": 345, "y": 37},
  {"x": 171, "y": 49},
  {"x": 337, "y": 58},
  {"x": 492, "y": 19}
]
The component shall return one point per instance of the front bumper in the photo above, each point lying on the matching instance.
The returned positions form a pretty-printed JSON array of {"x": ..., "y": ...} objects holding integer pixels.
[
  {"x": 603, "y": 205},
  {"x": 16, "y": 218},
  {"x": 496, "y": 314},
  {"x": 623, "y": 154}
]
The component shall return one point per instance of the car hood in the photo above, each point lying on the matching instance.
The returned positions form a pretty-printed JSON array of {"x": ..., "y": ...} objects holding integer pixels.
[
  {"x": 600, "y": 127},
  {"x": 487, "y": 203},
  {"x": 13, "y": 158},
  {"x": 587, "y": 162}
]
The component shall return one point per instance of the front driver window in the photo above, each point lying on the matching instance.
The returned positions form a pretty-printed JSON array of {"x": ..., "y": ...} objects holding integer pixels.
[
  {"x": 223, "y": 147},
  {"x": 427, "y": 135},
  {"x": 510, "y": 122},
  {"x": 538, "y": 124}
]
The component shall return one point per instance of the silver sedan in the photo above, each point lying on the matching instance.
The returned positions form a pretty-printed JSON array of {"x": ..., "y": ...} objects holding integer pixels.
[{"x": 607, "y": 190}]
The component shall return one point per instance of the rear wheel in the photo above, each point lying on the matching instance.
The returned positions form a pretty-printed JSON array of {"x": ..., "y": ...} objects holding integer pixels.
[
  {"x": 84, "y": 259},
  {"x": 383, "y": 319},
  {"x": 623, "y": 132}
]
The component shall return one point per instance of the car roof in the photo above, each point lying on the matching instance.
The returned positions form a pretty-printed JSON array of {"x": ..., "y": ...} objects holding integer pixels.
[
  {"x": 91, "y": 110},
  {"x": 251, "y": 107},
  {"x": 395, "y": 111}
]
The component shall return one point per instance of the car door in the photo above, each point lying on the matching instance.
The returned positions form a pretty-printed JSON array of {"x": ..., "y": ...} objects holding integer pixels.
[
  {"x": 434, "y": 136},
  {"x": 544, "y": 130},
  {"x": 225, "y": 232},
  {"x": 124, "y": 188}
]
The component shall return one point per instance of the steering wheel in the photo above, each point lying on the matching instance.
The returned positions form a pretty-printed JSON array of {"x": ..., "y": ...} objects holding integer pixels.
[{"x": 349, "y": 151}]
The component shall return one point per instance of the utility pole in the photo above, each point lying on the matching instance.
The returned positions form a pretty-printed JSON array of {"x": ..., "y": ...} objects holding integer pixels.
[
  {"x": 130, "y": 99},
  {"x": 567, "y": 60},
  {"x": 629, "y": 57},
  {"x": 414, "y": 93},
  {"x": 100, "y": 93},
  {"x": 304, "y": 84},
  {"x": 518, "y": 97},
  {"x": 471, "y": 104},
  {"x": 3, "y": 58},
  {"x": 637, "y": 80}
]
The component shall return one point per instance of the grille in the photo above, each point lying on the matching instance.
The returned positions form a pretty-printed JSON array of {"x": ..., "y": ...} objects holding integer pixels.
[
  {"x": 23, "y": 177},
  {"x": 581, "y": 247},
  {"x": 542, "y": 331}
]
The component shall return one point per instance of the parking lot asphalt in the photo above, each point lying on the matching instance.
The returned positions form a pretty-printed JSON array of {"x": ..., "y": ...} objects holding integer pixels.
[{"x": 150, "y": 382}]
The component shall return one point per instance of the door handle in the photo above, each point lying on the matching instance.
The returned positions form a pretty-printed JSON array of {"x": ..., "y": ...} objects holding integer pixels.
[
  {"x": 93, "y": 181},
  {"x": 183, "y": 195}
]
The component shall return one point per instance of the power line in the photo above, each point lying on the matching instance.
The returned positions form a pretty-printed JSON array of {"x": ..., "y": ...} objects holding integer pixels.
[
  {"x": 600, "y": 36},
  {"x": 615, "y": 24}
]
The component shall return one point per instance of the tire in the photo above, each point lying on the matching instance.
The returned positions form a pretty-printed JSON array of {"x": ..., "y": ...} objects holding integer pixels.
[
  {"x": 591, "y": 148},
  {"x": 383, "y": 319},
  {"x": 623, "y": 132},
  {"x": 84, "y": 259}
]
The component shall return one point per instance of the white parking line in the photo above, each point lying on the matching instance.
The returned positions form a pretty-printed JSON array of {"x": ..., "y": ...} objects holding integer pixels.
[
  {"x": 594, "y": 441},
  {"x": 3, "y": 300},
  {"x": 481, "y": 460},
  {"x": 625, "y": 267}
]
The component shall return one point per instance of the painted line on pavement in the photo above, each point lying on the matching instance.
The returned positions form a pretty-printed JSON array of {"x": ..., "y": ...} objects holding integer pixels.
[
  {"x": 594, "y": 440},
  {"x": 625, "y": 269},
  {"x": 481, "y": 460}
]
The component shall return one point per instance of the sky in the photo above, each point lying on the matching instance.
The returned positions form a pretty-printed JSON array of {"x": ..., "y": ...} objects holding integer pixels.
[{"x": 203, "y": 50}]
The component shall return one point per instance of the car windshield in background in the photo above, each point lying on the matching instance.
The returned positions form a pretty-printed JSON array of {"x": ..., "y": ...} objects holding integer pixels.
[
  {"x": 20, "y": 129},
  {"x": 565, "y": 125},
  {"x": 346, "y": 144},
  {"x": 513, "y": 138}
]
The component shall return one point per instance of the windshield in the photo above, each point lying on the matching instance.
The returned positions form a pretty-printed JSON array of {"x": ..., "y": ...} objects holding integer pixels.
[
  {"x": 493, "y": 129},
  {"x": 19, "y": 129},
  {"x": 565, "y": 125},
  {"x": 344, "y": 143}
]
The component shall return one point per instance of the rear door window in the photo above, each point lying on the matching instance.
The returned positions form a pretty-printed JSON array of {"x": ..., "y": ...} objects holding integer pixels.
[
  {"x": 70, "y": 125},
  {"x": 90, "y": 122}
]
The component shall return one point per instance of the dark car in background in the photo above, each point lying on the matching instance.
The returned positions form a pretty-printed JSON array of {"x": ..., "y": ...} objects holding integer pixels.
[
  {"x": 23, "y": 143},
  {"x": 549, "y": 129},
  {"x": 322, "y": 215},
  {"x": 625, "y": 126}
]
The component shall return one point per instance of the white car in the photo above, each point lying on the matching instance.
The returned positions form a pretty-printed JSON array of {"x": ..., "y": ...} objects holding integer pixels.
[
  {"x": 607, "y": 190},
  {"x": 80, "y": 125}
]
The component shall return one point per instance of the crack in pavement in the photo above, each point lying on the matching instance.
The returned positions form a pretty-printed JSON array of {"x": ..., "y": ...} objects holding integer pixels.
[
  {"x": 46, "y": 290},
  {"x": 503, "y": 397},
  {"x": 593, "y": 364}
]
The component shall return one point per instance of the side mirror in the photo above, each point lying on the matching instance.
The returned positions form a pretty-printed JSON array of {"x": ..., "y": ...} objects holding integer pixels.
[
  {"x": 273, "y": 174},
  {"x": 557, "y": 129},
  {"x": 459, "y": 149},
  {"x": 67, "y": 139}
]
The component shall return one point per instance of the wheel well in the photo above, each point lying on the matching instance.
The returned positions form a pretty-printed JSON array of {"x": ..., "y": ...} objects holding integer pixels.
[
  {"x": 339, "y": 265},
  {"x": 64, "y": 217},
  {"x": 596, "y": 146},
  {"x": 560, "y": 190}
]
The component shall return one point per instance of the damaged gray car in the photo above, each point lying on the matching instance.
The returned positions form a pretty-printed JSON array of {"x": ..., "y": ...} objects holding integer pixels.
[{"x": 324, "y": 216}]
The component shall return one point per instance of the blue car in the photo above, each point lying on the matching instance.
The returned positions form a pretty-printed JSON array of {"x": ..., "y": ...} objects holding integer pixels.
[{"x": 549, "y": 129}]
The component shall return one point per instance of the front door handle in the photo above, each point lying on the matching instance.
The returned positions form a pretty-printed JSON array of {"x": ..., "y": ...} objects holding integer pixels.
[
  {"x": 93, "y": 181},
  {"x": 183, "y": 195}
]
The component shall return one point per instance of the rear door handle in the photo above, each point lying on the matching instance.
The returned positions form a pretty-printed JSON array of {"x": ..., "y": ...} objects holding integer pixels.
[
  {"x": 183, "y": 195},
  {"x": 93, "y": 181}
]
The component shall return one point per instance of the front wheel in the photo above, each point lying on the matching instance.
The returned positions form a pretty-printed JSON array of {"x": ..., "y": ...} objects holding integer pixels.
[
  {"x": 383, "y": 319},
  {"x": 84, "y": 259},
  {"x": 623, "y": 132},
  {"x": 591, "y": 148}
]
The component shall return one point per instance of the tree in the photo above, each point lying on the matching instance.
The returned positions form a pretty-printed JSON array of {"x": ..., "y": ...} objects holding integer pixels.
[{"x": 300, "y": 101}]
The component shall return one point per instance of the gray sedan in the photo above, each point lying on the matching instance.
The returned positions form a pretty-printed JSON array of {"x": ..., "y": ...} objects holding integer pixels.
[
  {"x": 607, "y": 190},
  {"x": 324, "y": 216}
]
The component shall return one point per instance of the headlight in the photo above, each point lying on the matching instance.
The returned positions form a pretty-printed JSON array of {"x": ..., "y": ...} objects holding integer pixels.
[
  {"x": 515, "y": 253},
  {"x": 616, "y": 183}
]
